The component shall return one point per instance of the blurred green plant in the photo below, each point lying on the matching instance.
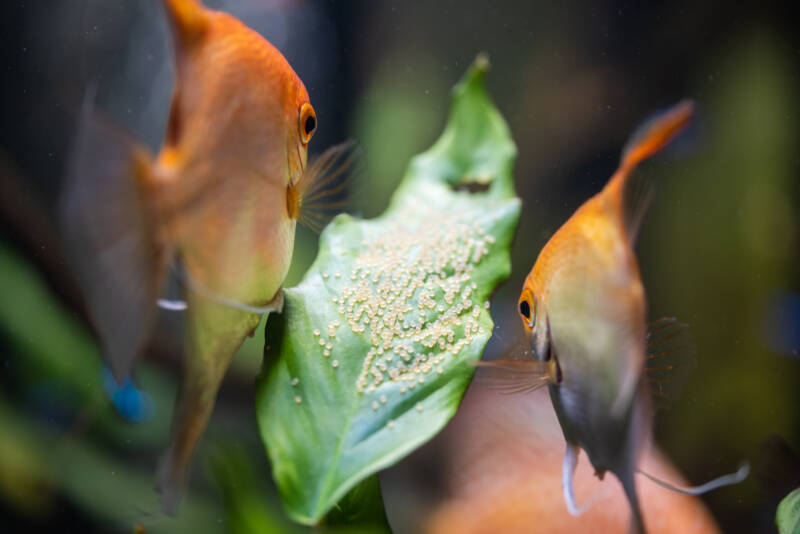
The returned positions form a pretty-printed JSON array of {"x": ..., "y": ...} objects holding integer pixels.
[
  {"x": 739, "y": 255},
  {"x": 787, "y": 517},
  {"x": 369, "y": 359},
  {"x": 58, "y": 371}
]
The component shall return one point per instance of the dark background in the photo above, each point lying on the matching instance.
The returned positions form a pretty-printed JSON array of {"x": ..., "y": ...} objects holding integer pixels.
[{"x": 719, "y": 248}]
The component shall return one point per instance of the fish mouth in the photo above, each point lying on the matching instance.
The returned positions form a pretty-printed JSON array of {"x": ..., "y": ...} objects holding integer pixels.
[
  {"x": 540, "y": 340},
  {"x": 296, "y": 171},
  {"x": 554, "y": 370}
]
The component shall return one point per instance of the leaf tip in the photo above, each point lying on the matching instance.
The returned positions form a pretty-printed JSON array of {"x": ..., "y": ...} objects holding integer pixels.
[
  {"x": 474, "y": 75},
  {"x": 481, "y": 63}
]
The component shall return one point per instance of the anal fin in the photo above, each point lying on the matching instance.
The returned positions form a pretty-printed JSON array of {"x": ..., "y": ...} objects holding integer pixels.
[{"x": 215, "y": 332}]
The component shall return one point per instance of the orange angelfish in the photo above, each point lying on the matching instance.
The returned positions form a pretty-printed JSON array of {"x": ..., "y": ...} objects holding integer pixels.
[
  {"x": 220, "y": 201},
  {"x": 583, "y": 308}
]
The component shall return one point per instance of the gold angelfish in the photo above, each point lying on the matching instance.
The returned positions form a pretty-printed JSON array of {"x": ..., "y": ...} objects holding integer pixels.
[
  {"x": 221, "y": 200},
  {"x": 583, "y": 308}
]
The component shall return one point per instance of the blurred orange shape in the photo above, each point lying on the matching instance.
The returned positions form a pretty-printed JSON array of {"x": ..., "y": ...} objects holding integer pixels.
[{"x": 503, "y": 475}]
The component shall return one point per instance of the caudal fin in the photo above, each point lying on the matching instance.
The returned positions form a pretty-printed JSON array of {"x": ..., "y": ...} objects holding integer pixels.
[
  {"x": 634, "y": 195},
  {"x": 109, "y": 237}
]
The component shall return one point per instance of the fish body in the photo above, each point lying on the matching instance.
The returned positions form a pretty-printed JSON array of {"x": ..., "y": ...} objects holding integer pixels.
[
  {"x": 221, "y": 198},
  {"x": 233, "y": 148},
  {"x": 591, "y": 299},
  {"x": 583, "y": 307}
]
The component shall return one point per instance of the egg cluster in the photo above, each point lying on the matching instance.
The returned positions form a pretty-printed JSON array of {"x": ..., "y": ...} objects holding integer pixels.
[{"x": 411, "y": 294}]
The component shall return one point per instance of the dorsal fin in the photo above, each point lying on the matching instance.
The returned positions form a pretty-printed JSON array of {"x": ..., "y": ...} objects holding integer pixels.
[
  {"x": 189, "y": 20},
  {"x": 633, "y": 196},
  {"x": 110, "y": 235}
]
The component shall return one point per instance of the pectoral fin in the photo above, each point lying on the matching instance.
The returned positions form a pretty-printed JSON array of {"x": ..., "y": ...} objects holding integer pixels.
[
  {"x": 514, "y": 376},
  {"x": 321, "y": 191}
]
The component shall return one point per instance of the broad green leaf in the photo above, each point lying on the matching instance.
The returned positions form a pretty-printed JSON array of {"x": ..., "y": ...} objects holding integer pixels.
[
  {"x": 788, "y": 516},
  {"x": 370, "y": 358}
]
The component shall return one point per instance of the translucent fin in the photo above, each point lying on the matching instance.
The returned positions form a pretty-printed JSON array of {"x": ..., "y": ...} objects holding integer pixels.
[
  {"x": 321, "y": 191},
  {"x": 214, "y": 334},
  {"x": 670, "y": 360},
  {"x": 514, "y": 376},
  {"x": 719, "y": 482},
  {"x": 109, "y": 236},
  {"x": 633, "y": 195},
  {"x": 638, "y": 195}
]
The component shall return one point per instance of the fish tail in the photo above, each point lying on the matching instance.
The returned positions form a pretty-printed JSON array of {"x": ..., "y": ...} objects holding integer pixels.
[
  {"x": 637, "y": 520},
  {"x": 653, "y": 135},
  {"x": 110, "y": 236},
  {"x": 188, "y": 18},
  {"x": 209, "y": 352}
]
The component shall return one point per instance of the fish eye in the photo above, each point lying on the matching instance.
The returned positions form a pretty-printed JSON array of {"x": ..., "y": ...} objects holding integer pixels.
[
  {"x": 526, "y": 309},
  {"x": 308, "y": 122}
]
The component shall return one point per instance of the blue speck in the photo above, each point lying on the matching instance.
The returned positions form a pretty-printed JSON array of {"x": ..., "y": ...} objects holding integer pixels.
[{"x": 131, "y": 403}]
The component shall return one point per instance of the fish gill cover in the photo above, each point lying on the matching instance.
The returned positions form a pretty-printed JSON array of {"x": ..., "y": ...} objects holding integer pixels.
[{"x": 370, "y": 357}]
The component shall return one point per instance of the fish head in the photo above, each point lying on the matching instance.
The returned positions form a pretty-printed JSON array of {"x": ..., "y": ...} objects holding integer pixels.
[
  {"x": 239, "y": 107},
  {"x": 532, "y": 308},
  {"x": 533, "y": 313},
  {"x": 302, "y": 121}
]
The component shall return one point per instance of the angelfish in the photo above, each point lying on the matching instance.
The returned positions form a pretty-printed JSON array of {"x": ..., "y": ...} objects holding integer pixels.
[
  {"x": 219, "y": 204},
  {"x": 583, "y": 309}
]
